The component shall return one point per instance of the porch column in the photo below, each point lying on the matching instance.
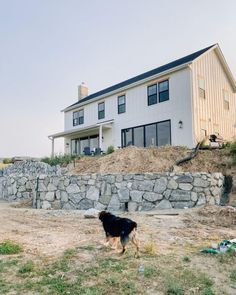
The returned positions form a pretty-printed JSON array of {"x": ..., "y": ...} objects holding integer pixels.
[
  {"x": 100, "y": 137},
  {"x": 52, "y": 139}
]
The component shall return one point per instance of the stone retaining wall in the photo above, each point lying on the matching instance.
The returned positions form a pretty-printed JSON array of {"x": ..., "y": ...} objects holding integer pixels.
[{"x": 115, "y": 191}]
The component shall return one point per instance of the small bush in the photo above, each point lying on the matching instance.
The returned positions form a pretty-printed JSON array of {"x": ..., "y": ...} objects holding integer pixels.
[
  {"x": 174, "y": 289},
  {"x": 59, "y": 160},
  {"x": 27, "y": 267},
  {"x": 7, "y": 161},
  {"x": 186, "y": 259},
  {"x": 110, "y": 149},
  {"x": 150, "y": 248},
  {"x": 9, "y": 247}
]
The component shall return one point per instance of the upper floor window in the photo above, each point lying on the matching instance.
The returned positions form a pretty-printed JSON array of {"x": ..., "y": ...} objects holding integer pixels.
[
  {"x": 163, "y": 89},
  {"x": 101, "y": 110},
  {"x": 226, "y": 99},
  {"x": 78, "y": 118},
  {"x": 152, "y": 94},
  {"x": 201, "y": 88},
  {"x": 121, "y": 104}
]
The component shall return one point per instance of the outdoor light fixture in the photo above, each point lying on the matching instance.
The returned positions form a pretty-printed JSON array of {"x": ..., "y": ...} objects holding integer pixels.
[
  {"x": 67, "y": 144},
  {"x": 180, "y": 124}
]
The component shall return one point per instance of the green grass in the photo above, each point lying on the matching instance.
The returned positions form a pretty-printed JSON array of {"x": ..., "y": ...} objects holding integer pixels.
[
  {"x": 8, "y": 247},
  {"x": 103, "y": 275}
]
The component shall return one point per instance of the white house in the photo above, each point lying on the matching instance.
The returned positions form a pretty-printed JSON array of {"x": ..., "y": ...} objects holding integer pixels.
[{"x": 178, "y": 103}]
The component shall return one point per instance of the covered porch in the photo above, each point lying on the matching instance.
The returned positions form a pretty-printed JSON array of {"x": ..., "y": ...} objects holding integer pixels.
[{"x": 79, "y": 139}]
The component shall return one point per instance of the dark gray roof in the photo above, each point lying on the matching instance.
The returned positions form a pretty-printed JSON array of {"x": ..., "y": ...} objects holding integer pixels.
[{"x": 173, "y": 64}]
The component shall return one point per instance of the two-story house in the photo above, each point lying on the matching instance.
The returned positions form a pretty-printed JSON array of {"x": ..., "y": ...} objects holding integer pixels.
[{"x": 179, "y": 103}]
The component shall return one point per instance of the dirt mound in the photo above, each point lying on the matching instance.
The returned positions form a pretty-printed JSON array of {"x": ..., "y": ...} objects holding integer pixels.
[
  {"x": 219, "y": 216},
  {"x": 153, "y": 159}
]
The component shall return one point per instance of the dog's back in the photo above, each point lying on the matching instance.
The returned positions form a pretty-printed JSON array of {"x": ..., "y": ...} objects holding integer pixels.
[{"x": 115, "y": 226}]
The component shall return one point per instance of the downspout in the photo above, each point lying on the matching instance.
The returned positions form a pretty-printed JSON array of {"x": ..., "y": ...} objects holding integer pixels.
[
  {"x": 52, "y": 140},
  {"x": 192, "y": 105}
]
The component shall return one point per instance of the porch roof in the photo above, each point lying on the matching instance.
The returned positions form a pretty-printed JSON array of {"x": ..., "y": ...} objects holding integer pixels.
[{"x": 105, "y": 124}]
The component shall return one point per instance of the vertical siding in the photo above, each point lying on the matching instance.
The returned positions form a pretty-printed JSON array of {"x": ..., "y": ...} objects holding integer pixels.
[{"x": 211, "y": 109}]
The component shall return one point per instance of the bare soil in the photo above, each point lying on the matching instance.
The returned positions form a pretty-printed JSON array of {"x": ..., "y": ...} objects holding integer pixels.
[
  {"x": 47, "y": 234},
  {"x": 154, "y": 159}
]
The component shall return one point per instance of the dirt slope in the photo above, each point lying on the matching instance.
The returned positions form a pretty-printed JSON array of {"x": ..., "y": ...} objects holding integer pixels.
[{"x": 155, "y": 159}]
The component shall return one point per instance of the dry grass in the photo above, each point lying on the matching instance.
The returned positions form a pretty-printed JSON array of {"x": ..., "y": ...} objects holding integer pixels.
[{"x": 3, "y": 165}]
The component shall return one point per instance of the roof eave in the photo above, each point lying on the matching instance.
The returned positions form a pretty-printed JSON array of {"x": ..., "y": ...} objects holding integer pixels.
[{"x": 127, "y": 87}]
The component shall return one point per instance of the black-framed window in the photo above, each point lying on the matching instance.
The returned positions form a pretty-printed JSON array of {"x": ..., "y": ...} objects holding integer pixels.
[
  {"x": 121, "y": 104},
  {"x": 78, "y": 118},
  {"x": 154, "y": 134},
  {"x": 163, "y": 90},
  {"x": 152, "y": 94},
  {"x": 101, "y": 110}
]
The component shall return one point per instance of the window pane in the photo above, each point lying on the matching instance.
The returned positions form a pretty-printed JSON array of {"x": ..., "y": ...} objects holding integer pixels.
[
  {"x": 93, "y": 142},
  {"x": 163, "y": 86},
  {"x": 84, "y": 142},
  {"x": 138, "y": 136},
  {"x": 163, "y": 133},
  {"x": 121, "y": 109},
  {"x": 101, "y": 106},
  {"x": 152, "y": 99},
  {"x": 163, "y": 96},
  {"x": 121, "y": 99},
  {"x": 75, "y": 115},
  {"x": 152, "y": 89},
  {"x": 81, "y": 113},
  {"x": 101, "y": 114},
  {"x": 150, "y": 135},
  {"x": 128, "y": 137}
]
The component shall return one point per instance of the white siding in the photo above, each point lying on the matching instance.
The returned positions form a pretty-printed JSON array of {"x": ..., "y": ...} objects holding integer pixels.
[
  {"x": 178, "y": 107},
  {"x": 210, "y": 111}
]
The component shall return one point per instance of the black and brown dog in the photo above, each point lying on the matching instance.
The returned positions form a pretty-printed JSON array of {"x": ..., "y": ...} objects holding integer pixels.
[{"x": 117, "y": 228}]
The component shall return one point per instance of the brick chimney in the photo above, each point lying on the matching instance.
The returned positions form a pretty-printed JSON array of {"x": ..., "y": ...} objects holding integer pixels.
[{"x": 82, "y": 91}]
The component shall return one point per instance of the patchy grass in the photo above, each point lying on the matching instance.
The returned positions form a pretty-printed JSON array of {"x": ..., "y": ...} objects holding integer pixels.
[
  {"x": 104, "y": 275},
  {"x": 8, "y": 247}
]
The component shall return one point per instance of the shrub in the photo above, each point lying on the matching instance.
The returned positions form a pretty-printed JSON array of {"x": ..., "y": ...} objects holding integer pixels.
[
  {"x": 58, "y": 160},
  {"x": 110, "y": 149},
  {"x": 7, "y": 161},
  {"x": 9, "y": 247}
]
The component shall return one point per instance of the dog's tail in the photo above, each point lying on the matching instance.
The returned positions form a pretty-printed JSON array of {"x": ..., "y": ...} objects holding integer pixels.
[{"x": 124, "y": 237}]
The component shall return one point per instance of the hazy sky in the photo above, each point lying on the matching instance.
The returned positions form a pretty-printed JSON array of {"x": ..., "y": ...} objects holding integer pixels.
[{"x": 48, "y": 47}]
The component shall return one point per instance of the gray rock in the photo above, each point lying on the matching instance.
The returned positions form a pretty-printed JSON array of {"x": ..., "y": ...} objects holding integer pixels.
[
  {"x": 152, "y": 197},
  {"x": 64, "y": 196},
  {"x": 123, "y": 194},
  {"x": 184, "y": 179},
  {"x": 172, "y": 184},
  {"x": 136, "y": 196},
  {"x": 216, "y": 191},
  {"x": 182, "y": 205},
  {"x": 46, "y": 205},
  {"x": 56, "y": 205},
  {"x": 58, "y": 195},
  {"x": 201, "y": 200},
  {"x": 92, "y": 193},
  {"x": 179, "y": 195},
  {"x": 200, "y": 182},
  {"x": 138, "y": 177},
  {"x": 105, "y": 189},
  {"x": 91, "y": 213},
  {"x": 41, "y": 187},
  {"x": 185, "y": 186},
  {"x": 164, "y": 204},
  {"x": 160, "y": 185},
  {"x": 132, "y": 206},
  {"x": 105, "y": 200},
  {"x": 167, "y": 194},
  {"x": 194, "y": 196},
  {"x": 85, "y": 204},
  {"x": 119, "y": 178},
  {"x": 50, "y": 196},
  {"x": 146, "y": 185},
  {"x": 114, "y": 204},
  {"x": 76, "y": 198},
  {"x": 73, "y": 189},
  {"x": 146, "y": 206},
  {"x": 99, "y": 206},
  {"x": 51, "y": 187}
]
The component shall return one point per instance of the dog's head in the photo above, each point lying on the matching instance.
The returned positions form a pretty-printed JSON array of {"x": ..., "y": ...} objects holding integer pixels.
[{"x": 103, "y": 214}]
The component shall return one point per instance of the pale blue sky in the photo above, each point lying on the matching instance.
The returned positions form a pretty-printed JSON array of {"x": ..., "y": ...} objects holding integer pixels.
[{"x": 48, "y": 47}]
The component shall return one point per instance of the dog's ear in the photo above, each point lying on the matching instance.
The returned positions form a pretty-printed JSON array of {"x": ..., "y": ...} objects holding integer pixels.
[{"x": 101, "y": 214}]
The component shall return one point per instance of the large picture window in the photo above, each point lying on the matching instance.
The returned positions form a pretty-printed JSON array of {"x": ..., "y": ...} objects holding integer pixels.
[
  {"x": 101, "y": 110},
  {"x": 155, "y": 134},
  {"x": 121, "y": 104}
]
